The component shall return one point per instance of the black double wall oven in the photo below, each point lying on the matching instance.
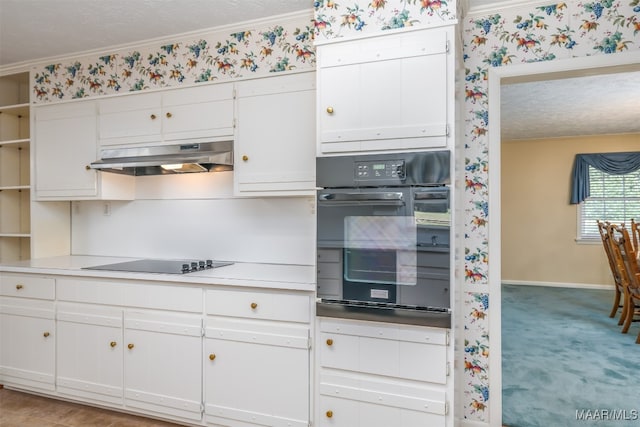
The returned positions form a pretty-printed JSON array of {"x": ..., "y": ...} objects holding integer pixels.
[{"x": 383, "y": 237}]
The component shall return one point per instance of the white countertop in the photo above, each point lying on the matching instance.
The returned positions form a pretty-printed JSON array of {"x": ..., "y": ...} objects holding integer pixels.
[{"x": 274, "y": 276}]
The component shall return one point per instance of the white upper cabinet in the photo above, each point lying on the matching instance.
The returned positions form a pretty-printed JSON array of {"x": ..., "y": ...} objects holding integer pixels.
[
  {"x": 389, "y": 92},
  {"x": 202, "y": 113},
  {"x": 65, "y": 144},
  {"x": 275, "y": 144}
]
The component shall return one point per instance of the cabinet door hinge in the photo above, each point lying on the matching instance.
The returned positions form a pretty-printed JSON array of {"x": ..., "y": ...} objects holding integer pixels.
[
  {"x": 448, "y": 368},
  {"x": 447, "y": 129},
  {"x": 234, "y": 93},
  {"x": 446, "y": 408},
  {"x": 447, "y": 338},
  {"x": 202, "y": 331},
  {"x": 234, "y": 123},
  {"x": 447, "y": 45}
]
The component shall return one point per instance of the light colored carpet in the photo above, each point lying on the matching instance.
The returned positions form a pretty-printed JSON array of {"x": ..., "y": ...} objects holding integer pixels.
[{"x": 563, "y": 359}]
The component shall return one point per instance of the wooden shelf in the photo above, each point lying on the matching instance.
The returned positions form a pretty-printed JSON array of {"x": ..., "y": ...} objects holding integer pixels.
[
  {"x": 15, "y": 187},
  {"x": 19, "y": 143},
  {"x": 16, "y": 109}
]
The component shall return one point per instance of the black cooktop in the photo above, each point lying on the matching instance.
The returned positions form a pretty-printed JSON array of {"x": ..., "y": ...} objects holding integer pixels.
[{"x": 161, "y": 266}]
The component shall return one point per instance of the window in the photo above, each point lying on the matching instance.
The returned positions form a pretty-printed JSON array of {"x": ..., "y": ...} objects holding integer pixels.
[{"x": 614, "y": 198}]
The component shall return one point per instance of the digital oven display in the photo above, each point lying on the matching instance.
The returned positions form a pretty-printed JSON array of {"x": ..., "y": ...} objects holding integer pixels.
[{"x": 376, "y": 170}]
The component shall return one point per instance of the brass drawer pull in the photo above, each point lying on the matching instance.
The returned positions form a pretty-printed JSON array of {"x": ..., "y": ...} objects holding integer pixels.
[
  {"x": 329, "y": 414},
  {"x": 254, "y": 305},
  {"x": 153, "y": 117},
  {"x": 329, "y": 342},
  {"x": 19, "y": 286},
  {"x": 130, "y": 346},
  {"x": 113, "y": 344},
  {"x": 46, "y": 334},
  {"x": 330, "y": 110},
  {"x": 212, "y": 356},
  {"x": 169, "y": 115}
]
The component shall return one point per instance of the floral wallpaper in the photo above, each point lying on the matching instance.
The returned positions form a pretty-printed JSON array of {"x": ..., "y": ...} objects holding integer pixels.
[
  {"x": 213, "y": 57},
  {"x": 548, "y": 31},
  {"x": 348, "y": 18}
]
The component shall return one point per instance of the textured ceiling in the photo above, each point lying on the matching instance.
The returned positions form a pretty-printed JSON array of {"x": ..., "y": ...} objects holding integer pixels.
[
  {"x": 36, "y": 29},
  {"x": 33, "y": 29},
  {"x": 589, "y": 105}
]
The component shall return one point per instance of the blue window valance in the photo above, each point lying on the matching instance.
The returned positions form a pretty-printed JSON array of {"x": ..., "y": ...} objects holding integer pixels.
[{"x": 611, "y": 163}]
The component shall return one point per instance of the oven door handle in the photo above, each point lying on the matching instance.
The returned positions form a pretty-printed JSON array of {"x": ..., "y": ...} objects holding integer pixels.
[{"x": 373, "y": 199}]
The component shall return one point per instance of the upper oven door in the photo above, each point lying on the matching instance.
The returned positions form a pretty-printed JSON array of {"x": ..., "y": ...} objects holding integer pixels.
[
  {"x": 371, "y": 236},
  {"x": 341, "y": 211}
]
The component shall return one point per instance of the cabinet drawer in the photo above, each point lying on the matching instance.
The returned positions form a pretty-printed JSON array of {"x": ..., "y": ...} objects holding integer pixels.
[
  {"x": 16, "y": 285},
  {"x": 408, "y": 352},
  {"x": 116, "y": 292},
  {"x": 258, "y": 305}
]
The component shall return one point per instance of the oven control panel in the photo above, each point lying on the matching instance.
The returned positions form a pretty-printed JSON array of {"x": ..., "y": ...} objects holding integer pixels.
[{"x": 380, "y": 170}]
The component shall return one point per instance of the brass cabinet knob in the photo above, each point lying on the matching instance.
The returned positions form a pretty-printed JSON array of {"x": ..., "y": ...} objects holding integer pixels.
[
  {"x": 113, "y": 343},
  {"x": 329, "y": 414},
  {"x": 169, "y": 115},
  {"x": 245, "y": 158},
  {"x": 19, "y": 286},
  {"x": 329, "y": 341},
  {"x": 153, "y": 116},
  {"x": 212, "y": 356},
  {"x": 46, "y": 334},
  {"x": 130, "y": 346},
  {"x": 330, "y": 110},
  {"x": 87, "y": 167},
  {"x": 254, "y": 305}
]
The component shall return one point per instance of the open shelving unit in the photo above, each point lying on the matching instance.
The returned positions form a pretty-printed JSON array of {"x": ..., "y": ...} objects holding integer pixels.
[{"x": 15, "y": 187}]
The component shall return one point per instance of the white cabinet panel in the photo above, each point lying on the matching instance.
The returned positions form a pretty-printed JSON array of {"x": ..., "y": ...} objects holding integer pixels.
[
  {"x": 27, "y": 343},
  {"x": 134, "y": 118},
  {"x": 89, "y": 352},
  {"x": 25, "y": 286},
  {"x": 256, "y": 372},
  {"x": 65, "y": 144},
  {"x": 385, "y": 93},
  {"x": 197, "y": 113},
  {"x": 252, "y": 304},
  {"x": 374, "y": 374},
  {"x": 275, "y": 145},
  {"x": 163, "y": 363}
]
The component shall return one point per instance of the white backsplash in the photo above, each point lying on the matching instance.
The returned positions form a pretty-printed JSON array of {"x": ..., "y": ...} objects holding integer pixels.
[{"x": 196, "y": 217}]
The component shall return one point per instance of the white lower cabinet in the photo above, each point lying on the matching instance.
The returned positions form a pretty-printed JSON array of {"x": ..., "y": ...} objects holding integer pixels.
[
  {"x": 89, "y": 352},
  {"x": 163, "y": 363},
  {"x": 27, "y": 332},
  {"x": 27, "y": 352},
  {"x": 257, "y": 359},
  {"x": 376, "y": 375}
]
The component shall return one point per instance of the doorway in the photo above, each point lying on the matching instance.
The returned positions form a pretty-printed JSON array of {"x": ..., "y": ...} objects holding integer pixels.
[{"x": 540, "y": 71}]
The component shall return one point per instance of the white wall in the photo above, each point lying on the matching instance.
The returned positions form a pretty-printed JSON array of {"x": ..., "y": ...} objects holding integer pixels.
[{"x": 196, "y": 216}]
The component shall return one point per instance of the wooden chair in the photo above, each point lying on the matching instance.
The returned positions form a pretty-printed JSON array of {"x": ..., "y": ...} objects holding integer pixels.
[
  {"x": 625, "y": 257},
  {"x": 635, "y": 235},
  {"x": 617, "y": 276}
]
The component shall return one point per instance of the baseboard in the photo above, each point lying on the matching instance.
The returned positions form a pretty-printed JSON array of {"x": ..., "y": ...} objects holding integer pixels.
[{"x": 558, "y": 284}]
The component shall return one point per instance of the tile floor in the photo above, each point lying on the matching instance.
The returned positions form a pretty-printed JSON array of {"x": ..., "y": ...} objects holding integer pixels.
[{"x": 25, "y": 410}]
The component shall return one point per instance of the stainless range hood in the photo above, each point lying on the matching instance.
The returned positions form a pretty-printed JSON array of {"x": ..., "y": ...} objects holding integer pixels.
[{"x": 167, "y": 159}]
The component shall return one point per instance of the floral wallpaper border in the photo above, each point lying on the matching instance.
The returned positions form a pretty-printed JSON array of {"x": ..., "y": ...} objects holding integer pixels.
[{"x": 212, "y": 57}]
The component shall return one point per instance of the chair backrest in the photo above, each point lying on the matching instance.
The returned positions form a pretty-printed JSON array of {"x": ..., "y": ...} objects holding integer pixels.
[
  {"x": 606, "y": 243},
  {"x": 635, "y": 235},
  {"x": 625, "y": 256}
]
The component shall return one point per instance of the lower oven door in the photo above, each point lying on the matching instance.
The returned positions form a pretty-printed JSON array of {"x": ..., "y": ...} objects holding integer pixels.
[{"x": 371, "y": 259}]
